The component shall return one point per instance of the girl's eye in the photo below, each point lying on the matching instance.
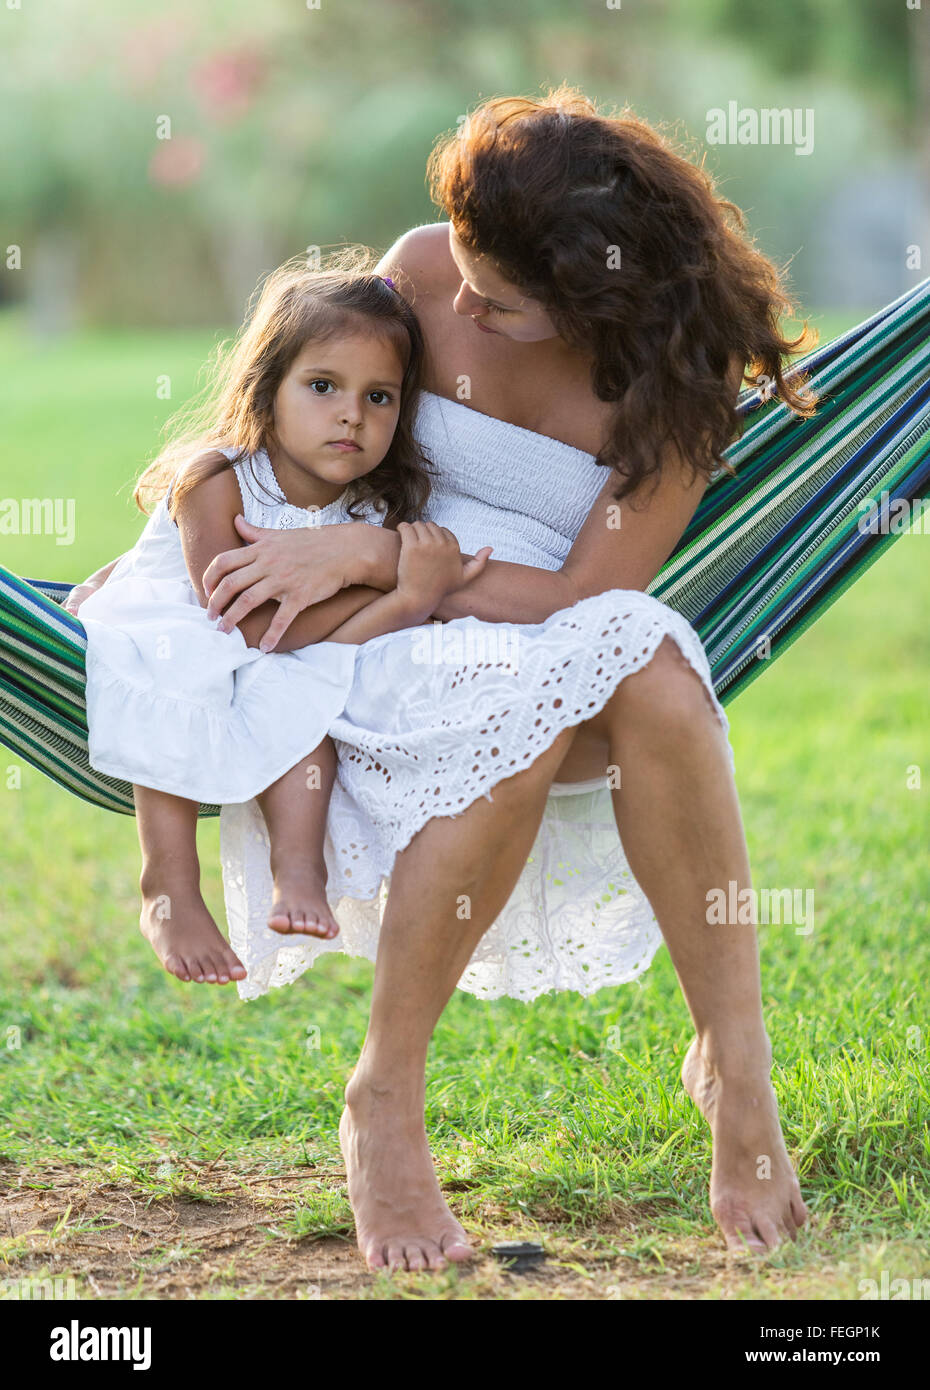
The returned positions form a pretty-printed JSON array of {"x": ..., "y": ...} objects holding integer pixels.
[
  {"x": 320, "y": 381},
  {"x": 495, "y": 309},
  {"x": 385, "y": 397}
]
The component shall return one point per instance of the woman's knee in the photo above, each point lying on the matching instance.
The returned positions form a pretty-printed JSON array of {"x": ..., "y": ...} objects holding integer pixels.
[
  {"x": 531, "y": 775},
  {"x": 666, "y": 691}
]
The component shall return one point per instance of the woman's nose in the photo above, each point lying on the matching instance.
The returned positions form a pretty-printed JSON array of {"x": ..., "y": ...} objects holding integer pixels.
[{"x": 466, "y": 302}]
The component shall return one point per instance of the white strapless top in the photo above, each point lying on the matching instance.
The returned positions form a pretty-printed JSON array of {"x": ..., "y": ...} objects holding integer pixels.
[{"x": 503, "y": 485}]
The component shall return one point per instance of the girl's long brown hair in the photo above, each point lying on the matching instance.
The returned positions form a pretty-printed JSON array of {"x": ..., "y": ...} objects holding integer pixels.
[
  {"x": 637, "y": 262},
  {"x": 294, "y": 305}
]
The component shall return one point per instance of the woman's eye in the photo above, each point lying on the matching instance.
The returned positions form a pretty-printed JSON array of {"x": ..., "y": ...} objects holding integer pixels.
[
  {"x": 495, "y": 309},
  {"x": 320, "y": 381}
]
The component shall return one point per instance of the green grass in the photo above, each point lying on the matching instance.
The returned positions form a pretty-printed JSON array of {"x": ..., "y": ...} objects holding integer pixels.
[{"x": 540, "y": 1119}]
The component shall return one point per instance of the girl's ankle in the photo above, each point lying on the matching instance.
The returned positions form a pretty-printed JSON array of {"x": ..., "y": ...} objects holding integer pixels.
[{"x": 157, "y": 879}]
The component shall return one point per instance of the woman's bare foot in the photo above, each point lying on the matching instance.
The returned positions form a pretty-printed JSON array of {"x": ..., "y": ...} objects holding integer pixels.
[
  {"x": 754, "y": 1193},
  {"x": 401, "y": 1218},
  {"x": 299, "y": 903},
  {"x": 177, "y": 925}
]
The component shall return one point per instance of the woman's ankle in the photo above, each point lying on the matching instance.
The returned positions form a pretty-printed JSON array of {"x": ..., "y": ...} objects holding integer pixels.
[
  {"x": 402, "y": 1091},
  {"x": 729, "y": 1053}
]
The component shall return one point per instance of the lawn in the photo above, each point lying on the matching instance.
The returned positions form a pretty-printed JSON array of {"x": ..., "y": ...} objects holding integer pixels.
[{"x": 163, "y": 1140}]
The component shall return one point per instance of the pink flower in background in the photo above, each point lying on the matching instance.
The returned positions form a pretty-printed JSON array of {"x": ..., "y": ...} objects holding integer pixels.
[
  {"x": 226, "y": 83},
  {"x": 177, "y": 162}
]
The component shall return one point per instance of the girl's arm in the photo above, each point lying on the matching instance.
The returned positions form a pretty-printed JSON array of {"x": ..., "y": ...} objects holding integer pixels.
[
  {"x": 430, "y": 566},
  {"x": 205, "y": 522},
  {"x": 90, "y": 586}
]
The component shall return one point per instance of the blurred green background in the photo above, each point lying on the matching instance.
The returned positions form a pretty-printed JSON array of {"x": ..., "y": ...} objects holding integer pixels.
[{"x": 292, "y": 126}]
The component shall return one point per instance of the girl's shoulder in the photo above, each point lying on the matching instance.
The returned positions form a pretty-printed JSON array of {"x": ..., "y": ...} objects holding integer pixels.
[{"x": 199, "y": 466}]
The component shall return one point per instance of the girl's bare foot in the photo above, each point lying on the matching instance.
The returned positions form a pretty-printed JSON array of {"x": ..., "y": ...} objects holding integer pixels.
[
  {"x": 299, "y": 903},
  {"x": 754, "y": 1193},
  {"x": 177, "y": 925},
  {"x": 401, "y": 1217}
]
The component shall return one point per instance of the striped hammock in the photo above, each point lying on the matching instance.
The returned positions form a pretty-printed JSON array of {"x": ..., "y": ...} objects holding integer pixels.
[{"x": 766, "y": 551}]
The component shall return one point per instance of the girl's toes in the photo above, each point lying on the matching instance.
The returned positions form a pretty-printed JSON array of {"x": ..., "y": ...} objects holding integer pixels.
[
  {"x": 176, "y": 966},
  {"x": 196, "y": 971},
  {"x": 280, "y": 920}
]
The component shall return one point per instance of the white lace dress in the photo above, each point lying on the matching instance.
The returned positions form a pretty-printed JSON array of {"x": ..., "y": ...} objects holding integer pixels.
[
  {"x": 437, "y": 717},
  {"x": 175, "y": 704}
]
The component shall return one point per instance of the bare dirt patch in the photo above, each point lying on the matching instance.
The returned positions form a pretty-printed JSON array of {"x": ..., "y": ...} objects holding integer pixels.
[{"x": 233, "y": 1234}]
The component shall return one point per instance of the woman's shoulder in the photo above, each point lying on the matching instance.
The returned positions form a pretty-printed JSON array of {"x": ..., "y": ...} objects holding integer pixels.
[{"x": 420, "y": 262}]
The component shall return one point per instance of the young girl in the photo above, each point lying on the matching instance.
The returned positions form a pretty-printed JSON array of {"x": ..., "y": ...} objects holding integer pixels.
[{"x": 310, "y": 422}]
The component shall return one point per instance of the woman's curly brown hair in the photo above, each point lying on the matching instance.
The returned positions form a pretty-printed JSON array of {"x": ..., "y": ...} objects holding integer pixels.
[
  {"x": 636, "y": 261},
  {"x": 295, "y": 305}
]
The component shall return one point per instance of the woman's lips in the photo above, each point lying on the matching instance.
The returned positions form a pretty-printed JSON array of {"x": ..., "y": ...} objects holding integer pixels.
[{"x": 485, "y": 330}]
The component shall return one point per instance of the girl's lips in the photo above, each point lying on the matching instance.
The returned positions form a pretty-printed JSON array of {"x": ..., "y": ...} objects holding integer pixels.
[
  {"x": 345, "y": 446},
  {"x": 485, "y": 330}
]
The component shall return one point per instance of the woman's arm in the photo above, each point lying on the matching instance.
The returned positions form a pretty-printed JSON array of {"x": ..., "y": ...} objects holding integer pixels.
[{"x": 616, "y": 548}]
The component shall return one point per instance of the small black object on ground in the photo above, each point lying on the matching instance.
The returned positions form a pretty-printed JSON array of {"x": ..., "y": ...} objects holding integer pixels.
[{"x": 519, "y": 1256}]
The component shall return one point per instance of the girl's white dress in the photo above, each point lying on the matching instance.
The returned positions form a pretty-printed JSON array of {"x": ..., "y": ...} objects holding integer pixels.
[
  {"x": 175, "y": 704},
  {"x": 436, "y": 717}
]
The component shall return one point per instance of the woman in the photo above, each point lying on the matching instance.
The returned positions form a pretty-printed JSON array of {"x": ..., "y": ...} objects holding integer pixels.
[{"x": 587, "y": 303}]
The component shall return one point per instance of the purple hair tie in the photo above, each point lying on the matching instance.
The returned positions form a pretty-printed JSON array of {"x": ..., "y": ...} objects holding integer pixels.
[{"x": 388, "y": 281}]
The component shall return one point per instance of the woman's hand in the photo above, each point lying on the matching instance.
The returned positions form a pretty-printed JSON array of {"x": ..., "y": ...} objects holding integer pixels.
[
  {"x": 431, "y": 564},
  {"x": 294, "y": 568}
]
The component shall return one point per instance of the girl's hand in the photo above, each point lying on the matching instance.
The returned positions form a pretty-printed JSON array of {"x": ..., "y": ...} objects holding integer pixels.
[
  {"x": 431, "y": 564},
  {"x": 295, "y": 568}
]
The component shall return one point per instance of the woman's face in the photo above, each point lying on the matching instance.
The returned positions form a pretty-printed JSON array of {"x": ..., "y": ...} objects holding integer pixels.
[{"x": 495, "y": 305}]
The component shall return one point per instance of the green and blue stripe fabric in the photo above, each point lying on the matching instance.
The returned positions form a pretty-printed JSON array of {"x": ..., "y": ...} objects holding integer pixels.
[{"x": 766, "y": 552}]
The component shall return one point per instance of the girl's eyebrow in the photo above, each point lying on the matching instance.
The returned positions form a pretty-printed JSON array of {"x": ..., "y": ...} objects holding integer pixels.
[{"x": 329, "y": 371}]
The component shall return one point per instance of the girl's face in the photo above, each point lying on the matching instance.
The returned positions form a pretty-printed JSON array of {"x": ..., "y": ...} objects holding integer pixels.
[
  {"x": 495, "y": 305},
  {"x": 335, "y": 413}
]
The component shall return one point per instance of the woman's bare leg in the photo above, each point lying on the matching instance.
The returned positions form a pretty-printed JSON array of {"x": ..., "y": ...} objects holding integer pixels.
[
  {"x": 447, "y": 887},
  {"x": 295, "y": 809},
  {"x": 679, "y": 820},
  {"x": 174, "y": 918}
]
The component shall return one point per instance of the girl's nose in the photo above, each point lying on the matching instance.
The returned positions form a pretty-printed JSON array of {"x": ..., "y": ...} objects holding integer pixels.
[{"x": 351, "y": 413}]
